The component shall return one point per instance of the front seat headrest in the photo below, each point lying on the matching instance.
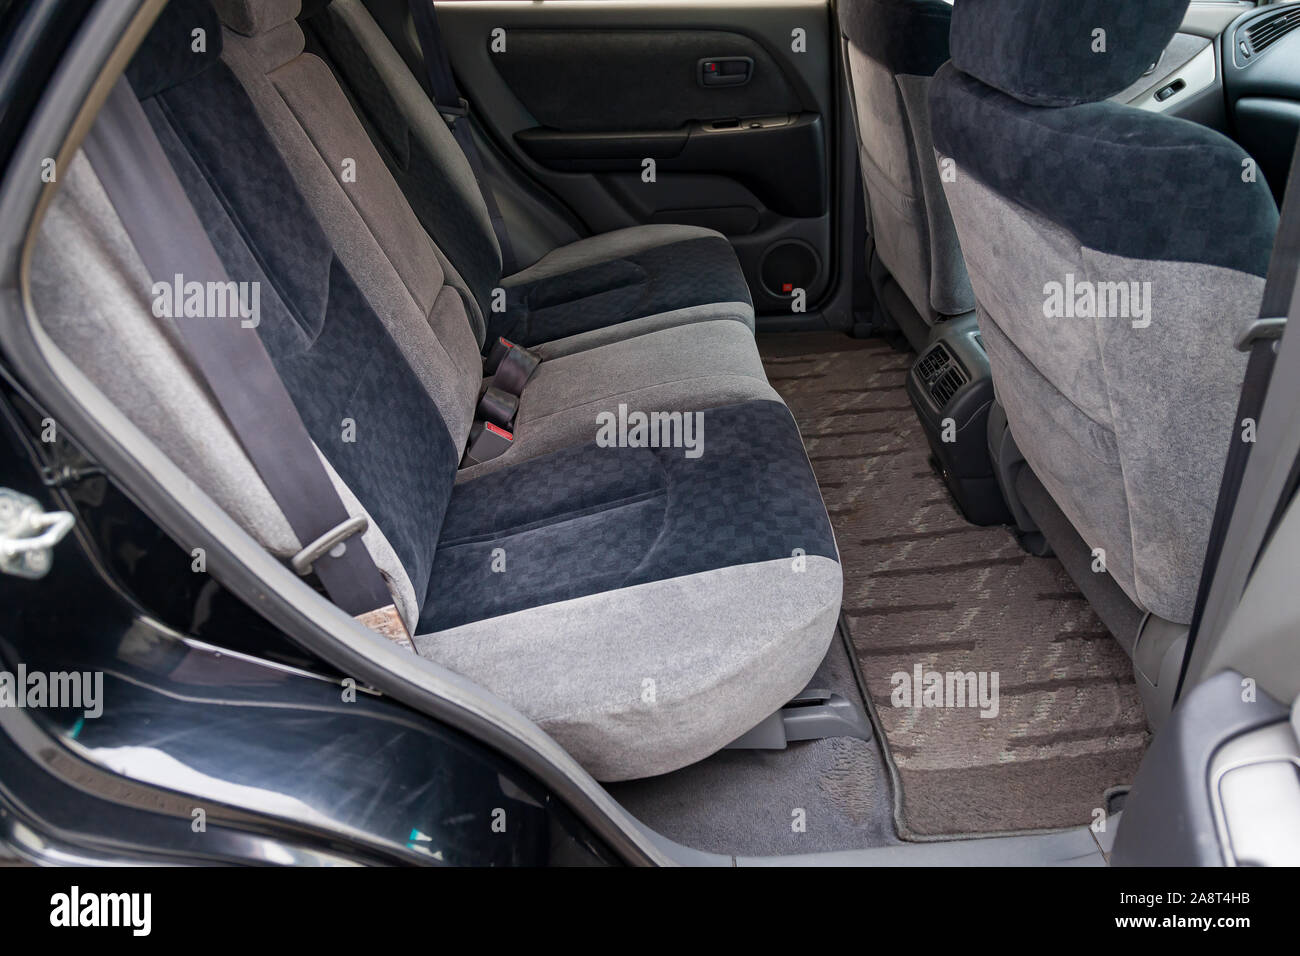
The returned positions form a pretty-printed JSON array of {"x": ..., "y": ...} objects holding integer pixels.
[{"x": 1061, "y": 52}]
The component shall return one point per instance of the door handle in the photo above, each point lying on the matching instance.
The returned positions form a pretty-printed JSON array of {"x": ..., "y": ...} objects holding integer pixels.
[{"x": 725, "y": 70}]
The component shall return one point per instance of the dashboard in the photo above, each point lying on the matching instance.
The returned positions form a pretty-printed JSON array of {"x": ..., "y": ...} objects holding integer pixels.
[{"x": 1235, "y": 67}]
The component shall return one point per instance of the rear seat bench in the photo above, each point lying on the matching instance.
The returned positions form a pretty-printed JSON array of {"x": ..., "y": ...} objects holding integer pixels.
[{"x": 643, "y": 605}]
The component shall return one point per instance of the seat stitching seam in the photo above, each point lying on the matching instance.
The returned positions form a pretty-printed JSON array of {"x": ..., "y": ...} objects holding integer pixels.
[{"x": 552, "y": 521}]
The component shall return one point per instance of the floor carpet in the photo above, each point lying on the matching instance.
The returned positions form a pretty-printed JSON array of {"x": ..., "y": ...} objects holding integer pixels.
[
  {"x": 745, "y": 802},
  {"x": 924, "y": 587}
]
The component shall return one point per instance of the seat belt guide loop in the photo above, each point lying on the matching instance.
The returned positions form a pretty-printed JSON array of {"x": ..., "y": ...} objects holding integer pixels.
[{"x": 331, "y": 543}]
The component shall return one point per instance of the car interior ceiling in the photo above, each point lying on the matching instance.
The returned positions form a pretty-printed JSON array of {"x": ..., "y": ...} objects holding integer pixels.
[{"x": 703, "y": 376}]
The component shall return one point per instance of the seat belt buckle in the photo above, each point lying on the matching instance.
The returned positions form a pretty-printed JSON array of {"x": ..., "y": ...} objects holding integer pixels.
[
  {"x": 486, "y": 441},
  {"x": 1257, "y": 330},
  {"x": 452, "y": 113},
  {"x": 511, "y": 365}
]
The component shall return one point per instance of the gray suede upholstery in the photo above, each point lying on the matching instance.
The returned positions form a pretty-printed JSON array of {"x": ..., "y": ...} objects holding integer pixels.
[
  {"x": 1124, "y": 414},
  {"x": 557, "y": 348},
  {"x": 950, "y": 291},
  {"x": 644, "y": 675},
  {"x": 417, "y": 145},
  {"x": 92, "y": 297},
  {"x": 676, "y": 368},
  {"x": 590, "y": 519},
  {"x": 335, "y": 355},
  {"x": 1172, "y": 188},
  {"x": 397, "y": 266},
  {"x": 377, "y": 237},
  {"x": 604, "y": 282},
  {"x": 661, "y": 280},
  {"x": 651, "y": 604},
  {"x": 892, "y": 48}
]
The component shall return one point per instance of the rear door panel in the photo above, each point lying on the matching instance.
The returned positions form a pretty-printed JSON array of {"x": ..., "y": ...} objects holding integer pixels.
[{"x": 580, "y": 93}]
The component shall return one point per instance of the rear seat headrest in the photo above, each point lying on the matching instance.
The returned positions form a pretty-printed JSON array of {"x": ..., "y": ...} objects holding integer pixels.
[
  {"x": 1061, "y": 52},
  {"x": 173, "y": 52},
  {"x": 252, "y": 18}
]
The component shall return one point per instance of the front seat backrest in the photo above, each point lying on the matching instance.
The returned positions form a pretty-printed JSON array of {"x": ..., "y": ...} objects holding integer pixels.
[
  {"x": 1114, "y": 254},
  {"x": 892, "y": 49}
]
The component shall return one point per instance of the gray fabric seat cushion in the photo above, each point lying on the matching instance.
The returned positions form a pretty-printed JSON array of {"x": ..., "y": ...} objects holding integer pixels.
[
  {"x": 627, "y": 274},
  {"x": 680, "y": 368},
  {"x": 651, "y": 678},
  {"x": 579, "y": 583},
  {"x": 590, "y": 518}
]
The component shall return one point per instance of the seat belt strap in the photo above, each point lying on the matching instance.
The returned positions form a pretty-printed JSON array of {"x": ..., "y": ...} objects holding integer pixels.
[
  {"x": 455, "y": 111},
  {"x": 510, "y": 365},
  {"x": 171, "y": 240},
  {"x": 1260, "y": 339}
]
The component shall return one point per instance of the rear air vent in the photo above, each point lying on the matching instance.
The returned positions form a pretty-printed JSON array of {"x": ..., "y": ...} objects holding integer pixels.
[
  {"x": 933, "y": 362},
  {"x": 941, "y": 375},
  {"x": 946, "y": 387},
  {"x": 1264, "y": 32}
]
